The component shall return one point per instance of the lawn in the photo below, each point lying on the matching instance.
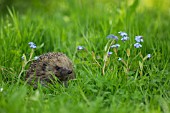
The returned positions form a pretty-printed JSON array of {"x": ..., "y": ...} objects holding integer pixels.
[{"x": 130, "y": 77}]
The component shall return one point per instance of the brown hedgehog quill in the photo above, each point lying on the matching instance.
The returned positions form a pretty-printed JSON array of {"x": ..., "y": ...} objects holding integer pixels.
[{"x": 47, "y": 67}]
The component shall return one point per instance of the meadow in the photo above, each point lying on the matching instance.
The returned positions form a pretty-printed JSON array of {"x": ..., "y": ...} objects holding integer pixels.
[{"x": 110, "y": 78}]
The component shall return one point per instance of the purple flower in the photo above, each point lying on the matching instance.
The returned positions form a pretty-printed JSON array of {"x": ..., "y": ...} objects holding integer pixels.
[
  {"x": 32, "y": 45},
  {"x": 123, "y": 34},
  {"x": 115, "y": 46},
  {"x": 137, "y": 45},
  {"x": 111, "y": 36},
  {"x": 139, "y": 38},
  {"x": 80, "y": 48}
]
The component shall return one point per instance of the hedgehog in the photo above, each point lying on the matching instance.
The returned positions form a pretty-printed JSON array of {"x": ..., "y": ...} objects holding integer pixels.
[{"x": 48, "y": 68}]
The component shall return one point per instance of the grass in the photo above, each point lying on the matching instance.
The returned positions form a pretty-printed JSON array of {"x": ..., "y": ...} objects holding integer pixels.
[{"x": 62, "y": 26}]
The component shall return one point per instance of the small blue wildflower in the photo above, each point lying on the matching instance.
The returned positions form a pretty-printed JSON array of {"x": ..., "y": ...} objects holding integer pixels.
[
  {"x": 111, "y": 36},
  {"x": 32, "y": 45},
  {"x": 36, "y": 58},
  {"x": 123, "y": 34},
  {"x": 149, "y": 56},
  {"x": 80, "y": 48},
  {"x": 115, "y": 46},
  {"x": 137, "y": 45},
  {"x": 139, "y": 38},
  {"x": 109, "y": 53},
  {"x": 119, "y": 59},
  {"x": 125, "y": 38}
]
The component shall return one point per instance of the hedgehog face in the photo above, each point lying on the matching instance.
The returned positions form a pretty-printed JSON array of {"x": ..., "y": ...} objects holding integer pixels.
[{"x": 62, "y": 74}]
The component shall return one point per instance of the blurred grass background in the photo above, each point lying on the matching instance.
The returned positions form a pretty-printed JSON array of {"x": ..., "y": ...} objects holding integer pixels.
[{"x": 62, "y": 25}]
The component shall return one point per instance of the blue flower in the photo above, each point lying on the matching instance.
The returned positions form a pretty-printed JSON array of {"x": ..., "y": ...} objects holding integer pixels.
[
  {"x": 123, "y": 34},
  {"x": 139, "y": 38},
  {"x": 32, "y": 45},
  {"x": 111, "y": 36},
  {"x": 109, "y": 53},
  {"x": 115, "y": 46},
  {"x": 149, "y": 56},
  {"x": 80, "y": 48},
  {"x": 125, "y": 38},
  {"x": 137, "y": 45},
  {"x": 119, "y": 59}
]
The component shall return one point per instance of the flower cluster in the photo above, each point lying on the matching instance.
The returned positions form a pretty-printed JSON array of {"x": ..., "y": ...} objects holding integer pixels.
[{"x": 113, "y": 47}]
